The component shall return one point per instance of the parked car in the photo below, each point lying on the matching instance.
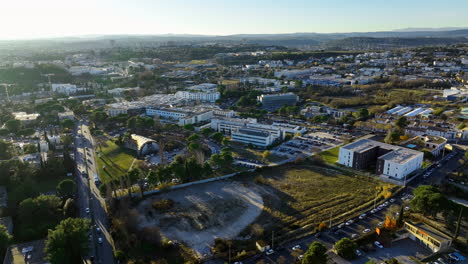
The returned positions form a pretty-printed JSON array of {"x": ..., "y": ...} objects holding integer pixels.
[
  {"x": 362, "y": 216},
  {"x": 358, "y": 253},
  {"x": 378, "y": 244},
  {"x": 296, "y": 247},
  {"x": 349, "y": 222},
  {"x": 270, "y": 251},
  {"x": 100, "y": 240},
  {"x": 365, "y": 231},
  {"x": 87, "y": 210}
]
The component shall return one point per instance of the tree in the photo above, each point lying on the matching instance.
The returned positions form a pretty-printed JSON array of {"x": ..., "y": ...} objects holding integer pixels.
[
  {"x": 346, "y": 248},
  {"x": 5, "y": 239},
  {"x": 316, "y": 254},
  {"x": 6, "y": 150},
  {"x": 30, "y": 148},
  {"x": 428, "y": 200},
  {"x": 218, "y": 136},
  {"x": 68, "y": 242},
  {"x": 66, "y": 188},
  {"x": 37, "y": 215},
  {"x": 68, "y": 123},
  {"x": 206, "y": 131},
  {"x": 98, "y": 117},
  {"x": 13, "y": 125},
  {"x": 391, "y": 137},
  {"x": 402, "y": 122},
  {"x": 193, "y": 138},
  {"x": 361, "y": 114}
]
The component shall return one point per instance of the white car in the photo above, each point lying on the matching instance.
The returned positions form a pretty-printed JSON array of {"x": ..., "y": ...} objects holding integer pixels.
[
  {"x": 100, "y": 240},
  {"x": 365, "y": 231},
  {"x": 238, "y": 262},
  {"x": 377, "y": 244},
  {"x": 362, "y": 216},
  {"x": 392, "y": 200},
  {"x": 349, "y": 222},
  {"x": 373, "y": 211},
  {"x": 354, "y": 236},
  {"x": 300, "y": 257},
  {"x": 380, "y": 224},
  {"x": 341, "y": 225},
  {"x": 270, "y": 251},
  {"x": 87, "y": 210},
  {"x": 296, "y": 247},
  {"x": 407, "y": 208},
  {"x": 358, "y": 253}
]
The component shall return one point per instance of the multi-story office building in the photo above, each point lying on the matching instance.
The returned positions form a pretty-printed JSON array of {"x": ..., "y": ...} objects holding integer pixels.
[
  {"x": 64, "y": 88},
  {"x": 253, "y": 136},
  {"x": 182, "y": 116},
  {"x": 275, "y": 101},
  {"x": 198, "y": 96},
  {"x": 392, "y": 161}
]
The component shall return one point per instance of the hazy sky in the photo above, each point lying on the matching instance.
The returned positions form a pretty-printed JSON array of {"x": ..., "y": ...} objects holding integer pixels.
[{"x": 46, "y": 18}]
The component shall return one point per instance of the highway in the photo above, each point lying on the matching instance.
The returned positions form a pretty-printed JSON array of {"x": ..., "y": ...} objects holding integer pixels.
[{"x": 90, "y": 203}]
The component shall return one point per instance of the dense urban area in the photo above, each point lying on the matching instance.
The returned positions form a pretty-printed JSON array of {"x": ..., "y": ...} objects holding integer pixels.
[{"x": 189, "y": 151}]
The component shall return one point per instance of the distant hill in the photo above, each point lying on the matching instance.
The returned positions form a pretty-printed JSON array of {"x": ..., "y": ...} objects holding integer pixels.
[
  {"x": 359, "y": 43},
  {"x": 351, "y": 40}
]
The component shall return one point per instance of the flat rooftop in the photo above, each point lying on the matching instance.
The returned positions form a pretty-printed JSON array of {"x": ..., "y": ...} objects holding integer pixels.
[
  {"x": 397, "y": 155},
  {"x": 430, "y": 231},
  {"x": 400, "y": 155},
  {"x": 365, "y": 144}
]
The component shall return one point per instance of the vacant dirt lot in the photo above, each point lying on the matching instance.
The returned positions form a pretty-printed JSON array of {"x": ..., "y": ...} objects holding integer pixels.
[{"x": 201, "y": 213}]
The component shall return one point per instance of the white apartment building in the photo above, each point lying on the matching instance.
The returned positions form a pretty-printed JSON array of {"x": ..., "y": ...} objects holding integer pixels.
[
  {"x": 116, "y": 111},
  {"x": 198, "y": 96},
  {"x": 253, "y": 136},
  {"x": 391, "y": 161},
  {"x": 182, "y": 117},
  {"x": 232, "y": 126},
  {"x": 64, "y": 88}
]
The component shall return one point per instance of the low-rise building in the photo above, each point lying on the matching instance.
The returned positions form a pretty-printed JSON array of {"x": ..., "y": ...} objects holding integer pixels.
[
  {"x": 426, "y": 143},
  {"x": 256, "y": 137},
  {"x": 66, "y": 115},
  {"x": 64, "y": 88},
  {"x": 25, "y": 118},
  {"x": 428, "y": 236}
]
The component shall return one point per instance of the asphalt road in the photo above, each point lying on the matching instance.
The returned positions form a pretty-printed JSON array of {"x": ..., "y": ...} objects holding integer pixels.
[{"x": 89, "y": 197}]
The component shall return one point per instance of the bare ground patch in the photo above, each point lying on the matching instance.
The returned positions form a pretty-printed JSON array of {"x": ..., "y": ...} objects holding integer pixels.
[{"x": 201, "y": 213}]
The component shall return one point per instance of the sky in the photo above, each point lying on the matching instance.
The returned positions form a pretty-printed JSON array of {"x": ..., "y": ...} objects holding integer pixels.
[{"x": 24, "y": 19}]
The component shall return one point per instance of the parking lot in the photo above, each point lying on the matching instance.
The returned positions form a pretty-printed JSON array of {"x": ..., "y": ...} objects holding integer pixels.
[
  {"x": 400, "y": 250},
  {"x": 307, "y": 144}
]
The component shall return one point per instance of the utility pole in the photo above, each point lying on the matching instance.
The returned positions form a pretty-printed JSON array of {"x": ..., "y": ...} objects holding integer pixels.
[
  {"x": 229, "y": 252},
  {"x": 457, "y": 230},
  {"x": 272, "y": 239}
]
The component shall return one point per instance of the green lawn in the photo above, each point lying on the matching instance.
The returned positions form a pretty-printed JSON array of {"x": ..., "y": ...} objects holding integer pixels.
[
  {"x": 240, "y": 150},
  {"x": 116, "y": 159},
  {"x": 330, "y": 156}
]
